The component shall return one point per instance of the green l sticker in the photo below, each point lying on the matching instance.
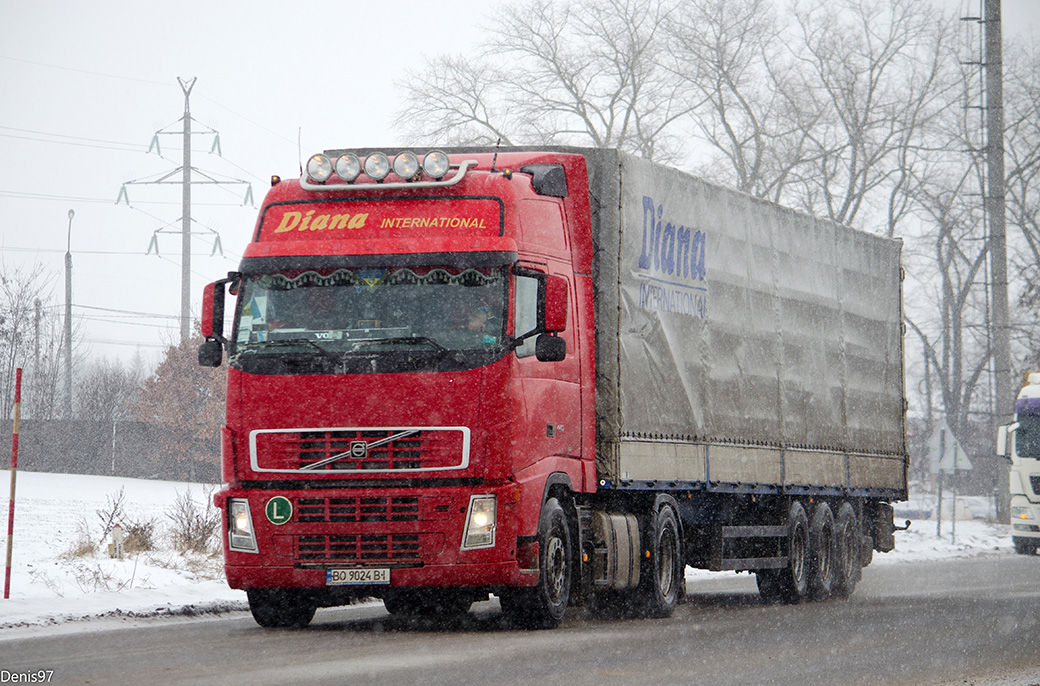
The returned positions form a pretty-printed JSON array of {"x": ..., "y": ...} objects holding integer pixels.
[{"x": 278, "y": 510}]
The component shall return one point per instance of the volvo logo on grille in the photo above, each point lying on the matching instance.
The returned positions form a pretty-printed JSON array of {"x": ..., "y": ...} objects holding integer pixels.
[{"x": 358, "y": 449}]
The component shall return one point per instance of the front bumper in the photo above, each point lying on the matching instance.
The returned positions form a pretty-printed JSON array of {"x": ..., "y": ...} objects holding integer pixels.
[
  {"x": 415, "y": 533},
  {"x": 1028, "y": 526}
]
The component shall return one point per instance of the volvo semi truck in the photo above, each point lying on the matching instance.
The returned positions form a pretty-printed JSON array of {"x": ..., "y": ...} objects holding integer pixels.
[{"x": 558, "y": 376}]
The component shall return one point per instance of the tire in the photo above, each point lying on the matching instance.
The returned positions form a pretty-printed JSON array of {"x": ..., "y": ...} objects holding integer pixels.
[
  {"x": 789, "y": 584},
  {"x": 821, "y": 553},
  {"x": 542, "y": 606},
  {"x": 847, "y": 538},
  {"x": 276, "y": 608},
  {"x": 430, "y": 602},
  {"x": 661, "y": 581},
  {"x": 1025, "y": 546}
]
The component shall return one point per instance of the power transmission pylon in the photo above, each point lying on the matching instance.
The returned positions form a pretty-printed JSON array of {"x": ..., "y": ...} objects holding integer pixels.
[{"x": 186, "y": 180}]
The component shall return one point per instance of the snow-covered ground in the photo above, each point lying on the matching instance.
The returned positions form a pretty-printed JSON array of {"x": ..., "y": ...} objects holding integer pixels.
[{"x": 58, "y": 513}]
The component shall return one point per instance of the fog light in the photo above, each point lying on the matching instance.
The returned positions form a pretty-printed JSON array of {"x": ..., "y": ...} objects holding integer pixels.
[
  {"x": 480, "y": 523},
  {"x": 377, "y": 166},
  {"x": 348, "y": 167},
  {"x": 436, "y": 164},
  {"x": 240, "y": 526},
  {"x": 406, "y": 165},
  {"x": 319, "y": 168}
]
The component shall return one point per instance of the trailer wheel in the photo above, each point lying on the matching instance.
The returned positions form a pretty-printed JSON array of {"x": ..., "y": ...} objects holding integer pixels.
[
  {"x": 661, "y": 586},
  {"x": 542, "y": 606},
  {"x": 427, "y": 602},
  {"x": 847, "y": 553},
  {"x": 822, "y": 556},
  {"x": 791, "y": 583},
  {"x": 276, "y": 608}
]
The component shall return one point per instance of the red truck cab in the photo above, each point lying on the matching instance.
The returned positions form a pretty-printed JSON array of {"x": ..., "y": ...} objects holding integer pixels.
[{"x": 411, "y": 374}]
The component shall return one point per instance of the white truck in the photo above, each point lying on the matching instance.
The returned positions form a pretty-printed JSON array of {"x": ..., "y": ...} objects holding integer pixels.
[{"x": 1023, "y": 451}]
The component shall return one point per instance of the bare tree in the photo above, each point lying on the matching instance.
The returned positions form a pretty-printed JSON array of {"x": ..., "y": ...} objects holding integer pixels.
[
  {"x": 106, "y": 391},
  {"x": 554, "y": 72},
  {"x": 31, "y": 337},
  {"x": 1022, "y": 156},
  {"x": 879, "y": 73},
  {"x": 736, "y": 74}
]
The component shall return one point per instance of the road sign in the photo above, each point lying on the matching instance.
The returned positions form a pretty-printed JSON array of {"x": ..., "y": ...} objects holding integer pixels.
[{"x": 945, "y": 453}]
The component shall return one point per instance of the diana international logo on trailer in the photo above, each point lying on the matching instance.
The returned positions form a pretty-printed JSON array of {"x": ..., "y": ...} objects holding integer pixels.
[{"x": 671, "y": 265}]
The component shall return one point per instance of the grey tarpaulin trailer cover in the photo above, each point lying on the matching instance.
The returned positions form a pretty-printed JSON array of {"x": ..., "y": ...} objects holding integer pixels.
[{"x": 741, "y": 342}]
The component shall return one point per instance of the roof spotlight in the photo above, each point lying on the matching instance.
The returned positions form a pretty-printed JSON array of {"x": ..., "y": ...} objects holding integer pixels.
[
  {"x": 435, "y": 164},
  {"x": 319, "y": 168},
  {"x": 406, "y": 165},
  {"x": 348, "y": 167},
  {"x": 377, "y": 166}
]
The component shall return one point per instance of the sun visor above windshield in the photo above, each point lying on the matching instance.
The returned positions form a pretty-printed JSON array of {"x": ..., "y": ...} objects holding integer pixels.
[{"x": 464, "y": 253}]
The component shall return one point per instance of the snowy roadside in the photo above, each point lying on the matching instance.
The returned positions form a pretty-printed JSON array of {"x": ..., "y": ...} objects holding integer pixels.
[{"x": 56, "y": 513}]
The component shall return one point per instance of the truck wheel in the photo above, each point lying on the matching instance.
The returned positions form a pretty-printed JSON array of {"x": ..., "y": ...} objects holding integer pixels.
[
  {"x": 821, "y": 553},
  {"x": 427, "y": 602},
  {"x": 542, "y": 606},
  {"x": 1025, "y": 546},
  {"x": 661, "y": 585},
  {"x": 791, "y": 583},
  {"x": 847, "y": 557},
  {"x": 275, "y": 608}
]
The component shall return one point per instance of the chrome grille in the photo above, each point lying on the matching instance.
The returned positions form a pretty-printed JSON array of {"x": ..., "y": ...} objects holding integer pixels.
[
  {"x": 357, "y": 509},
  {"x": 360, "y": 450},
  {"x": 358, "y": 548}
]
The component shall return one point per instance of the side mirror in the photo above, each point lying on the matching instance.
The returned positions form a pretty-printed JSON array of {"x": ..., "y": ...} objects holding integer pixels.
[
  {"x": 212, "y": 323},
  {"x": 1002, "y": 439},
  {"x": 555, "y": 304},
  {"x": 211, "y": 353},
  {"x": 550, "y": 348}
]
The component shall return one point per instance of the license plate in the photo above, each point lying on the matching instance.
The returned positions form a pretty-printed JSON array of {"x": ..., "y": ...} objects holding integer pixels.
[{"x": 356, "y": 577}]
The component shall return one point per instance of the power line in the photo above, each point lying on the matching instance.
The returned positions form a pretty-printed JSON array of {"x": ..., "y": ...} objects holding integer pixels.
[
  {"x": 84, "y": 71},
  {"x": 131, "y": 312},
  {"x": 21, "y": 195}
]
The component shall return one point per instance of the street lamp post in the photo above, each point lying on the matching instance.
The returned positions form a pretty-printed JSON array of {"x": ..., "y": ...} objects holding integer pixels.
[{"x": 68, "y": 321}]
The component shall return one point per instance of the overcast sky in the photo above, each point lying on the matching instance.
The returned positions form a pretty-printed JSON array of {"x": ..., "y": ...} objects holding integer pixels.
[{"x": 85, "y": 86}]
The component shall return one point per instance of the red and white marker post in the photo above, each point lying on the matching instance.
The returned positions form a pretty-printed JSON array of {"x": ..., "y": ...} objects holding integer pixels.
[{"x": 14, "y": 471}]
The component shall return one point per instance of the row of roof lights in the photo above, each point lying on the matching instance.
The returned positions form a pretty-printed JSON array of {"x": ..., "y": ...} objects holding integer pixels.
[{"x": 377, "y": 166}]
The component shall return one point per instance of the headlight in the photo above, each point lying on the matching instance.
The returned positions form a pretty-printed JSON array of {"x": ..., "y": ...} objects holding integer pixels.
[
  {"x": 435, "y": 164},
  {"x": 240, "y": 526},
  {"x": 348, "y": 167},
  {"x": 319, "y": 168},
  {"x": 406, "y": 165},
  {"x": 480, "y": 522},
  {"x": 377, "y": 166},
  {"x": 1021, "y": 513}
]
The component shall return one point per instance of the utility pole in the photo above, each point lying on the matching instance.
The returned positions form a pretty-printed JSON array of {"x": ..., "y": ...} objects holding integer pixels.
[
  {"x": 186, "y": 86},
  {"x": 995, "y": 210},
  {"x": 185, "y": 171},
  {"x": 68, "y": 321}
]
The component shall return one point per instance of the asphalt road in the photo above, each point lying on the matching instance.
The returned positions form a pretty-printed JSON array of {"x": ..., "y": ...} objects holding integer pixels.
[{"x": 908, "y": 624}]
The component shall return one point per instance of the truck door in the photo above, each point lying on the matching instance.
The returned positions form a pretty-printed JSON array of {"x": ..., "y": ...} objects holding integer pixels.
[{"x": 551, "y": 390}]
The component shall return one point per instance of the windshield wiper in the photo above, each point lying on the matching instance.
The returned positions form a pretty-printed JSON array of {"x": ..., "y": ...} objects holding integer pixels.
[
  {"x": 408, "y": 340},
  {"x": 328, "y": 354},
  {"x": 350, "y": 453}
]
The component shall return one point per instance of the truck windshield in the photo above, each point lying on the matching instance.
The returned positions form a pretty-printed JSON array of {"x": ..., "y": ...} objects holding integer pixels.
[
  {"x": 1027, "y": 438},
  {"x": 406, "y": 319}
]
